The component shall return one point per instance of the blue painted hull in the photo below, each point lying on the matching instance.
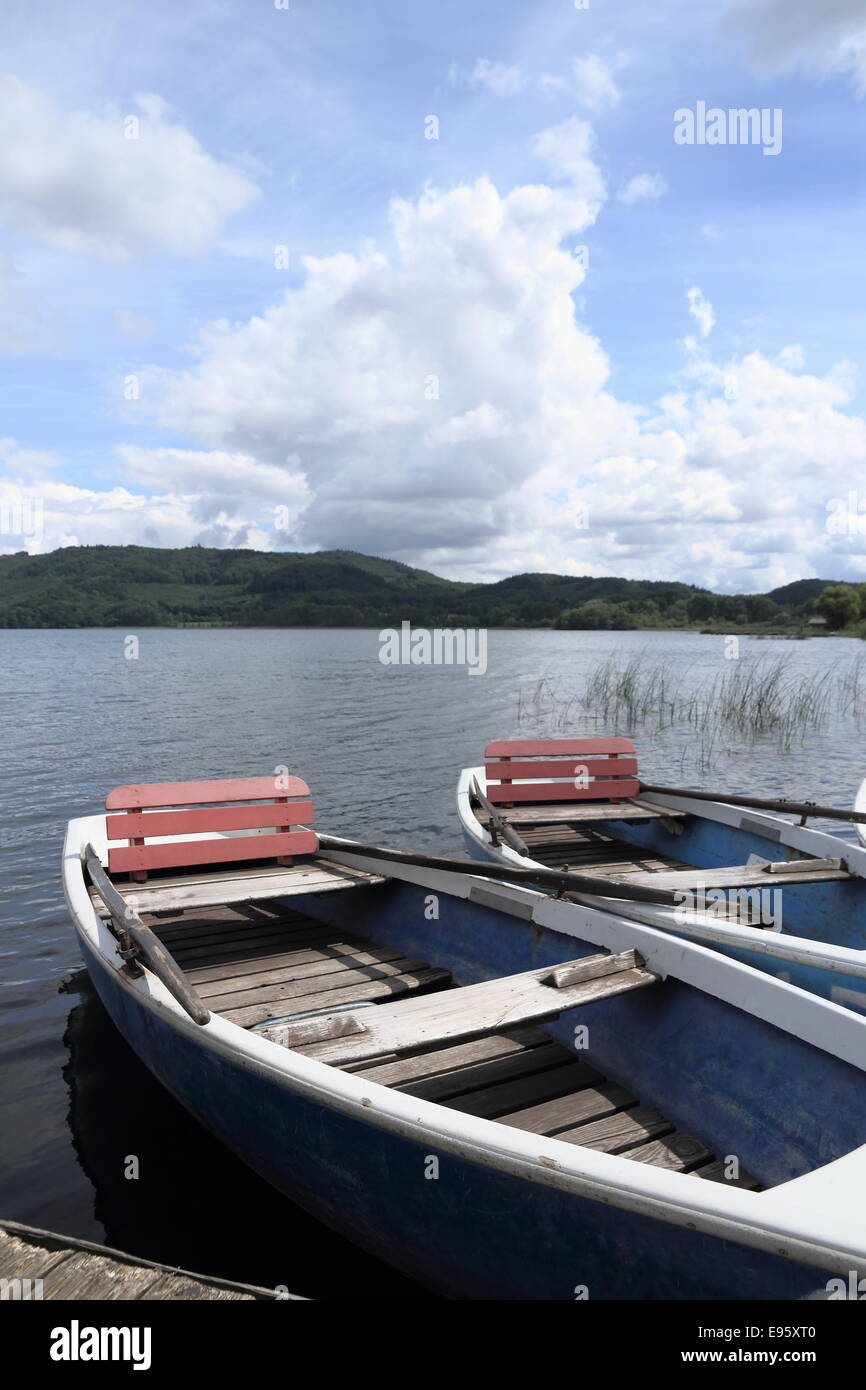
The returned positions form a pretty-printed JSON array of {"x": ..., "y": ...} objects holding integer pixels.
[
  {"x": 477, "y": 1231},
  {"x": 834, "y": 912}
]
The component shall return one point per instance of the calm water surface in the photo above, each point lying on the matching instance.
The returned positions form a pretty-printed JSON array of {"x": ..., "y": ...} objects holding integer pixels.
[{"x": 381, "y": 747}]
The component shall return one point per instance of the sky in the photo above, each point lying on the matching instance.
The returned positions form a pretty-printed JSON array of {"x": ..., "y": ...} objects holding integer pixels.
[{"x": 458, "y": 285}]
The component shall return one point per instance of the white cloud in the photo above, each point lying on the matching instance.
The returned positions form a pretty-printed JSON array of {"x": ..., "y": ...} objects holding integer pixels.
[
  {"x": 595, "y": 84},
  {"x": 792, "y": 357},
  {"x": 591, "y": 81},
  {"x": 443, "y": 405},
  {"x": 502, "y": 79},
  {"x": 820, "y": 38},
  {"x": 568, "y": 150},
  {"x": 701, "y": 311},
  {"x": 75, "y": 181},
  {"x": 195, "y": 471},
  {"x": 643, "y": 187}
]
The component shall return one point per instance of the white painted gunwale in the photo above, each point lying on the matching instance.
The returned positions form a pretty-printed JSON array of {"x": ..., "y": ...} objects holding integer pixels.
[
  {"x": 827, "y": 1230},
  {"x": 860, "y": 805},
  {"x": 823, "y": 955}
]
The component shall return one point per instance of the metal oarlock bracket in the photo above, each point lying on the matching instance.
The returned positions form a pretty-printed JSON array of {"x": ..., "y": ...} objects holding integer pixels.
[{"x": 128, "y": 951}]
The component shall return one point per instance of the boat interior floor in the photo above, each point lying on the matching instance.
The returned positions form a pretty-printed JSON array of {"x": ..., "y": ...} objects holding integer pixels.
[
  {"x": 580, "y": 847},
  {"x": 256, "y": 962}
]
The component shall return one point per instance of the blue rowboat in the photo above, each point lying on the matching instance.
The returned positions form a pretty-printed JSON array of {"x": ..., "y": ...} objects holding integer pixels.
[
  {"x": 772, "y": 892},
  {"x": 503, "y": 1094}
]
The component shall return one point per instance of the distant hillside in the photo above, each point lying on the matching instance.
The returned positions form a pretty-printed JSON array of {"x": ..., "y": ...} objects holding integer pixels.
[
  {"x": 126, "y": 586},
  {"x": 800, "y": 591}
]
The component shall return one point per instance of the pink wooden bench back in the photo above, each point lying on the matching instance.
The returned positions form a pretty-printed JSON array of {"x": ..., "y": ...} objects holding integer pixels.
[
  {"x": 561, "y": 769},
  {"x": 193, "y": 808}
]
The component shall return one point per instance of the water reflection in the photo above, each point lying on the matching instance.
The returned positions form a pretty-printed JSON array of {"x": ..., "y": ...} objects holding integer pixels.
[{"x": 194, "y": 1204}]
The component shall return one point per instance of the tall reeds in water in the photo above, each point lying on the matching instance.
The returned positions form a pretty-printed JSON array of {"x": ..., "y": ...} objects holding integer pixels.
[{"x": 752, "y": 698}]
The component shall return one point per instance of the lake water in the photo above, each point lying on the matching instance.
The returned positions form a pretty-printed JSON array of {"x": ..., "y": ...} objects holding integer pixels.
[{"x": 381, "y": 747}]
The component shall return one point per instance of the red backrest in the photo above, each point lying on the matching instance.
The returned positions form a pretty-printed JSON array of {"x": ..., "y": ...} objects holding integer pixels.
[
  {"x": 247, "y": 803},
  {"x": 588, "y": 769}
]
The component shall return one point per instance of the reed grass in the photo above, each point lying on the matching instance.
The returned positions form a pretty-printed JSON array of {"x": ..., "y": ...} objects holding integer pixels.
[{"x": 749, "y": 699}]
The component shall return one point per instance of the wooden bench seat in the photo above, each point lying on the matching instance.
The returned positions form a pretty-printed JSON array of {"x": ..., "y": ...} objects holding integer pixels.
[
  {"x": 254, "y": 884},
  {"x": 587, "y": 813},
  {"x": 476, "y": 1009}
]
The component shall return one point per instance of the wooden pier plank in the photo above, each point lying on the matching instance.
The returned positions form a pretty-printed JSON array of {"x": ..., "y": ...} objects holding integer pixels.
[{"x": 84, "y": 1271}]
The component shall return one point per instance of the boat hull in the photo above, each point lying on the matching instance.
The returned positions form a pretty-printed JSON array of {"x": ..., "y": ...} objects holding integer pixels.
[
  {"x": 833, "y": 912},
  {"x": 469, "y": 1231}
]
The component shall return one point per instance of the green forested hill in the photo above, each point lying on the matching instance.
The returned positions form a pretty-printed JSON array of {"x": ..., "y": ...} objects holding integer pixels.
[{"x": 120, "y": 586}]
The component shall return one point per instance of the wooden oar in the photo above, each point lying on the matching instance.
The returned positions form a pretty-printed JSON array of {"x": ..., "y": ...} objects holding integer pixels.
[
  {"x": 498, "y": 824},
  {"x": 137, "y": 940},
  {"x": 533, "y": 878},
  {"x": 796, "y": 808}
]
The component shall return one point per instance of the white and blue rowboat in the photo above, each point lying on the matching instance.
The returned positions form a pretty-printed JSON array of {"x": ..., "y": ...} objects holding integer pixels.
[
  {"x": 775, "y": 893},
  {"x": 503, "y": 1094}
]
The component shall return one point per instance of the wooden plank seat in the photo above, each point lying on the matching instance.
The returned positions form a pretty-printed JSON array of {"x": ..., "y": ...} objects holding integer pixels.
[
  {"x": 522, "y": 1078},
  {"x": 582, "y": 849},
  {"x": 472, "y": 1010},
  {"x": 170, "y": 825},
  {"x": 181, "y": 891},
  {"x": 740, "y": 875},
  {"x": 587, "y": 812}
]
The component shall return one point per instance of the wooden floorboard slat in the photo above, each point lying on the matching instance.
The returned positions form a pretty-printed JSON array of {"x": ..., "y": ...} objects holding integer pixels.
[
  {"x": 626, "y": 1129},
  {"x": 417, "y": 1065},
  {"x": 297, "y": 965},
  {"x": 202, "y": 940},
  {"x": 191, "y": 958},
  {"x": 679, "y": 1152},
  {"x": 717, "y": 1172},
  {"x": 577, "y": 1108},
  {"x": 286, "y": 997},
  {"x": 463, "y": 1081},
  {"x": 507, "y": 1097},
  {"x": 228, "y": 969},
  {"x": 385, "y": 990}
]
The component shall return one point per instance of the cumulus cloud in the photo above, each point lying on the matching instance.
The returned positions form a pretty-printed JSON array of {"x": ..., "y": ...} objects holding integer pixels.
[
  {"x": 568, "y": 150},
  {"x": 701, "y": 311},
  {"x": 42, "y": 513},
  {"x": 643, "y": 187},
  {"x": 110, "y": 184},
  {"x": 786, "y": 34},
  {"x": 502, "y": 79},
  {"x": 595, "y": 84},
  {"x": 590, "y": 80},
  {"x": 443, "y": 405}
]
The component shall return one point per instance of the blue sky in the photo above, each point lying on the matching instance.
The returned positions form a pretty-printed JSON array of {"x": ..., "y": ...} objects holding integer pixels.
[{"x": 580, "y": 422}]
